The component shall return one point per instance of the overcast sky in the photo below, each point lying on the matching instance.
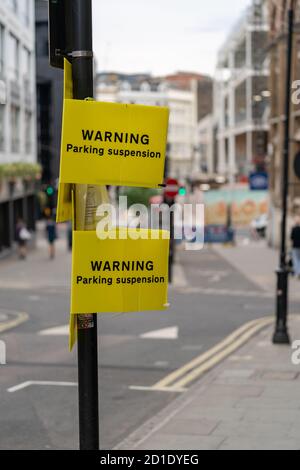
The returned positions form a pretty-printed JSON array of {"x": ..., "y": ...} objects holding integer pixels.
[{"x": 162, "y": 36}]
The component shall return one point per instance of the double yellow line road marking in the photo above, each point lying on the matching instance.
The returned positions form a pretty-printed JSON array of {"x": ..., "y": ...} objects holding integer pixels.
[
  {"x": 180, "y": 379},
  {"x": 17, "y": 319}
]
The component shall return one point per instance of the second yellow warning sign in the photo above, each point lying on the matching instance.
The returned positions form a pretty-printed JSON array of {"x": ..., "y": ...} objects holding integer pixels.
[{"x": 121, "y": 274}]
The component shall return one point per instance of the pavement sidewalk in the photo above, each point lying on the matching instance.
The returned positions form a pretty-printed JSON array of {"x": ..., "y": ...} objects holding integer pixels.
[
  {"x": 249, "y": 401},
  {"x": 257, "y": 262},
  {"x": 37, "y": 271}
]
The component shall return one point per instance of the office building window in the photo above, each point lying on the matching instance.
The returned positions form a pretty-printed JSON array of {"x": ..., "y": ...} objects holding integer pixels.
[
  {"x": 25, "y": 7},
  {"x": 13, "y": 5},
  {"x": 15, "y": 128},
  {"x": 26, "y": 62},
  {"x": 27, "y": 12},
  {"x": 28, "y": 137},
  {"x": 2, "y": 133},
  {"x": 14, "y": 56}
]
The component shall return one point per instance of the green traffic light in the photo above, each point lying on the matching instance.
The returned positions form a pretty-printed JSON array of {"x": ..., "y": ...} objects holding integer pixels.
[
  {"x": 50, "y": 191},
  {"x": 182, "y": 191}
]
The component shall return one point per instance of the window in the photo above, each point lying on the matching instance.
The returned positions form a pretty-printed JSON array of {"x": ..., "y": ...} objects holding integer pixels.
[
  {"x": 15, "y": 128},
  {"x": 25, "y": 10},
  {"x": 26, "y": 62},
  {"x": 2, "y": 117},
  {"x": 14, "y": 56},
  {"x": 13, "y": 5},
  {"x": 28, "y": 141}
]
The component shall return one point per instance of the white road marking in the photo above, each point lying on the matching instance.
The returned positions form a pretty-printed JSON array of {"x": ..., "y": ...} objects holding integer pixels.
[
  {"x": 164, "y": 333},
  {"x": 56, "y": 331},
  {"x": 29, "y": 383}
]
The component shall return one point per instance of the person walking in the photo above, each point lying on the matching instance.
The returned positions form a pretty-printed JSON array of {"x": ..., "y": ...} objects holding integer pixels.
[
  {"x": 22, "y": 237},
  {"x": 52, "y": 236},
  {"x": 295, "y": 237}
]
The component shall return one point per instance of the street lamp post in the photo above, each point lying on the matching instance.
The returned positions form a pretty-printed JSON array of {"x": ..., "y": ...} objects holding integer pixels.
[{"x": 281, "y": 335}]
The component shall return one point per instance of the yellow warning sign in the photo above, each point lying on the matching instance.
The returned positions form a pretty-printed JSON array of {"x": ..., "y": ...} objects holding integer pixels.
[
  {"x": 112, "y": 143},
  {"x": 119, "y": 275}
]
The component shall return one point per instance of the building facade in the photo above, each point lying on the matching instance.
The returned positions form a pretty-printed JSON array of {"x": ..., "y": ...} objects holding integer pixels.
[
  {"x": 205, "y": 150},
  {"x": 241, "y": 95},
  {"x": 49, "y": 100},
  {"x": 17, "y": 115},
  {"x": 278, "y": 13},
  {"x": 178, "y": 92}
]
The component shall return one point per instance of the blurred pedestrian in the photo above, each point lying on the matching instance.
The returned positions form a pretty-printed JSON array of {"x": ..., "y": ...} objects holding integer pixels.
[
  {"x": 51, "y": 236},
  {"x": 295, "y": 237},
  {"x": 22, "y": 237}
]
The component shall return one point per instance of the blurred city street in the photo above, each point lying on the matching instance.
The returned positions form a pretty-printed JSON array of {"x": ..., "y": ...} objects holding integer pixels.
[
  {"x": 210, "y": 298},
  {"x": 149, "y": 227}
]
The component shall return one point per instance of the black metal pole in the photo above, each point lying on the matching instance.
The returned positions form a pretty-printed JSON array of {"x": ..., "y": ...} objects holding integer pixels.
[
  {"x": 79, "y": 20},
  {"x": 170, "y": 202},
  {"x": 172, "y": 245},
  {"x": 281, "y": 335}
]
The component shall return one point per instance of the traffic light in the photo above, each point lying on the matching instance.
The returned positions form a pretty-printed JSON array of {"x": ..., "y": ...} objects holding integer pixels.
[
  {"x": 50, "y": 191},
  {"x": 182, "y": 191}
]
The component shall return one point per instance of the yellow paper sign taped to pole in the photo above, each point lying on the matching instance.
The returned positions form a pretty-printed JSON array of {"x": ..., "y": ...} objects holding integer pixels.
[
  {"x": 120, "y": 275},
  {"x": 64, "y": 201},
  {"x": 72, "y": 318},
  {"x": 112, "y": 143},
  {"x": 72, "y": 331},
  {"x": 64, "y": 205},
  {"x": 68, "y": 80}
]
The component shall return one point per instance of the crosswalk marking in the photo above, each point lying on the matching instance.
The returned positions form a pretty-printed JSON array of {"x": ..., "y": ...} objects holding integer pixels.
[
  {"x": 56, "y": 331},
  {"x": 164, "y": 333}
]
